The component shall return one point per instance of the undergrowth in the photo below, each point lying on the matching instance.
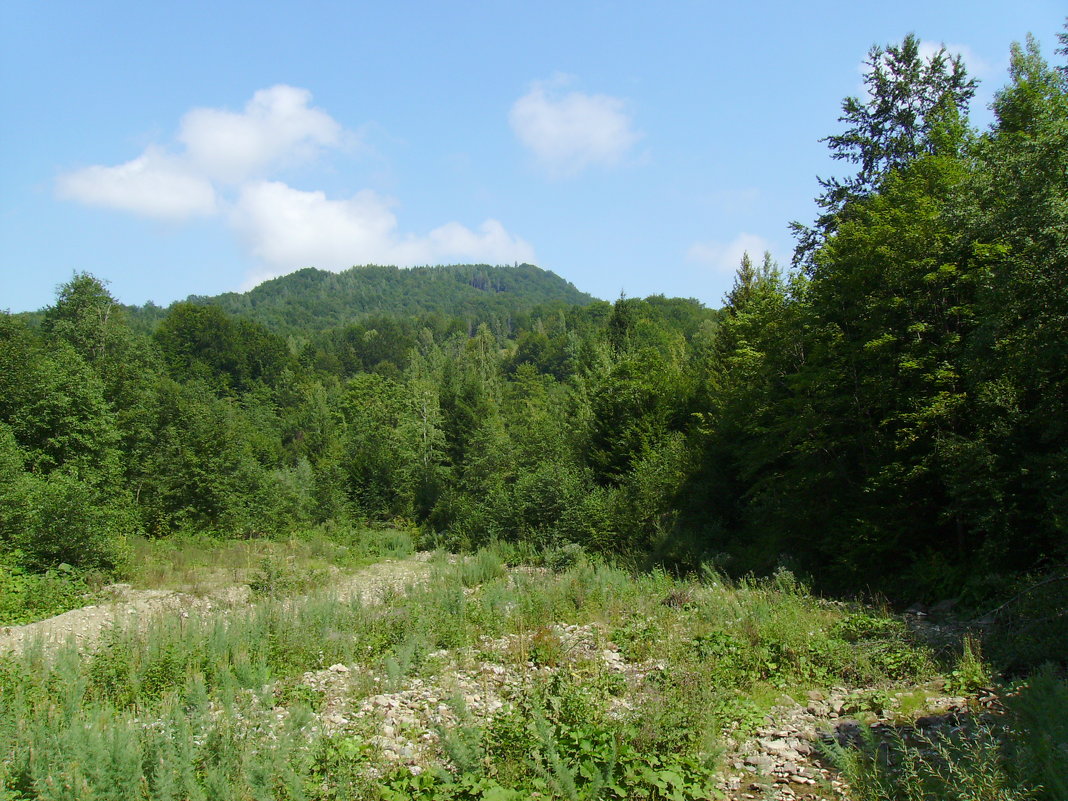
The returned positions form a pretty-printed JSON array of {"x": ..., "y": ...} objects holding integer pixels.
[
  {"x": 1021, "y": 755},
  {"x": 26, "y": 596},
  {"x": 201, "y": 564},
  {"x": 215, "y": 707}
]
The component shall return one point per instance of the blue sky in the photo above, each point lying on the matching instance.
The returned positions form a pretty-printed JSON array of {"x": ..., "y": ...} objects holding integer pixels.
[{"x": 196, "y": 148}]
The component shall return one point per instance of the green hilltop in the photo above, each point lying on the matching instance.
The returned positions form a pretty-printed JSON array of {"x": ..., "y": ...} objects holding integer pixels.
[{"x": 313, "y": 299}]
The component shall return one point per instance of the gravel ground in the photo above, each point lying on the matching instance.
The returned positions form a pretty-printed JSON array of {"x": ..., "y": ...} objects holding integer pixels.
[{"x": 780, "y": 762}]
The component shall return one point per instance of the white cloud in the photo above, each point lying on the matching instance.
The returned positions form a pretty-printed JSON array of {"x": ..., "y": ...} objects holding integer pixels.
[
  {"x": 225, "y": 163},
  {"x": 154, "y": 184},
  {"x": 976, "y": 65},
  {"x": 725, "y": 258},
  {"x": 569, "y": 132},
  {"x": 286, "y": 228},
  {"x": 277, "y": 128},
  {"x": 491, "y": 244}
]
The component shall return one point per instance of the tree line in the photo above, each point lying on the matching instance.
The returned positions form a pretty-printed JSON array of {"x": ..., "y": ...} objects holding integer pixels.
[{"x": 887, "y": 413}]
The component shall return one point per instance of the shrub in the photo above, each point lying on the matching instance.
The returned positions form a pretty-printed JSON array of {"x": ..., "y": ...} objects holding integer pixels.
[
  {"x": 26, "y": 597},
  {"x": 964, "y": 768},
  {"x": 61, "y": 520},
  {"x": 564, "y": 557}
]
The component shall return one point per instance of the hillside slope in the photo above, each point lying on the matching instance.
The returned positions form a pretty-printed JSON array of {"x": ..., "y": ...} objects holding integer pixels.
[{"x": 313, "y": 299}]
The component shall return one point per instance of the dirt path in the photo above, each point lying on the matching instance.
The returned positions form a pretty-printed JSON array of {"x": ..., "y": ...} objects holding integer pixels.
[{"x": 83, "y": 626}]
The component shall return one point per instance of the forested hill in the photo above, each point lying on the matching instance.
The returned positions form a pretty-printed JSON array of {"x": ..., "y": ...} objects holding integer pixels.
[
  {"x": 312, "y": 299},
  {"x": 889, "y": 416}
]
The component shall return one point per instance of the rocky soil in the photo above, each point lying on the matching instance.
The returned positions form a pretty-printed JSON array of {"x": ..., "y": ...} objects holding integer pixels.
[
  {"x": 403, "y": 718},
  {"x": 781, "y": 761}
]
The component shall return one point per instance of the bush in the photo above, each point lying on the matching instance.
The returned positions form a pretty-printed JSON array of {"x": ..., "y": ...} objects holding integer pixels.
[
  {"x": 26, "y": 597},
  {"x": 564, "y": 557},
  {"x": 61, "y": 520}
]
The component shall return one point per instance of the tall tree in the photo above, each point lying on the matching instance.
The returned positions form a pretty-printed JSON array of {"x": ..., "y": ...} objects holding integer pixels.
[
  {"x": 909, "y": 101},
  {"x": 1019, "y": 359}
]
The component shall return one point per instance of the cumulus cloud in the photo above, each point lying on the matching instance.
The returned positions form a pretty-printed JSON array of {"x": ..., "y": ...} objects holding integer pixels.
[
  {"x": 287, "y": 228},
  {"x": 154, "y": 184},
  {"x": 223, "y": 160},
  {"x": 568, "y": 132},
  {"x": 277, "y": 128},
  {"x": 725, "y": 258}
]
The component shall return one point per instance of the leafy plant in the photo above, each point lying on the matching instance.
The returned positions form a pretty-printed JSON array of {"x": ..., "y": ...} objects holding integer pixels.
[
  {"x": 970, "y": 673},
  {"x": 968, "y": 767},
  {"x": 25, "y": 596}
]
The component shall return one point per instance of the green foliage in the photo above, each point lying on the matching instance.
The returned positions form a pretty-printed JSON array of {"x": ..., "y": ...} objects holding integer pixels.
[
  {"x": 312, "y": 299},
  {"x": 968, "y": 768},
  {"x": 279, "y": 579},
  {"x": 203, "y": 343},
  {"x": 970, "y": 673},
  {"x": 194, "y": 703},
  {"x": 62, "y": 520},
  {"x": 26, "y": 597},
  {"x": 483, "y": 566},
  {"x": 564, "y": 557},
  {"x": 55, "y": 408},
  {"x": 1038, "y": 746},
  {"x": 557, "y": 741},
  {"x": 1021, "y": 757},
  {"x": 883, "y": 645},
  {"x": 207, "y": 467},
  {"x": 889, "y": 419},
  {"x": 912, "y": 103},
  {"x": 1029, "y": 627}
]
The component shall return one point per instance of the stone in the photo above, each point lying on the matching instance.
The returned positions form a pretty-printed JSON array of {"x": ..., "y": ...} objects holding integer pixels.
[
  {"x": 762, "y": 762},
  {"x": 778, "y": 746},
  {"x": 930, "y": 721}
]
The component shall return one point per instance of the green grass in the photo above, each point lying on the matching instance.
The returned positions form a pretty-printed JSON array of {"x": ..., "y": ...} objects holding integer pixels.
[
  {"x": 215, "y": 707},
  {"x": 200, "y": 564}
]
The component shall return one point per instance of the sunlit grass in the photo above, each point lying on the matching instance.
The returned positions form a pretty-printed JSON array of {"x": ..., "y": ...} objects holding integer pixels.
[
  {"x": 201, "y": 564},
  {"x": 214, "y": 705}
]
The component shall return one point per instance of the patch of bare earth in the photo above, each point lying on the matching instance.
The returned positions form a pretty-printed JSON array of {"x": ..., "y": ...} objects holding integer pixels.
[{"x": 123, "y": 603}]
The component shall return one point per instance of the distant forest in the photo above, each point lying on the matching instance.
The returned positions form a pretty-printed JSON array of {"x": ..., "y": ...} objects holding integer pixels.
[{"x": 887, "y": 414}]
